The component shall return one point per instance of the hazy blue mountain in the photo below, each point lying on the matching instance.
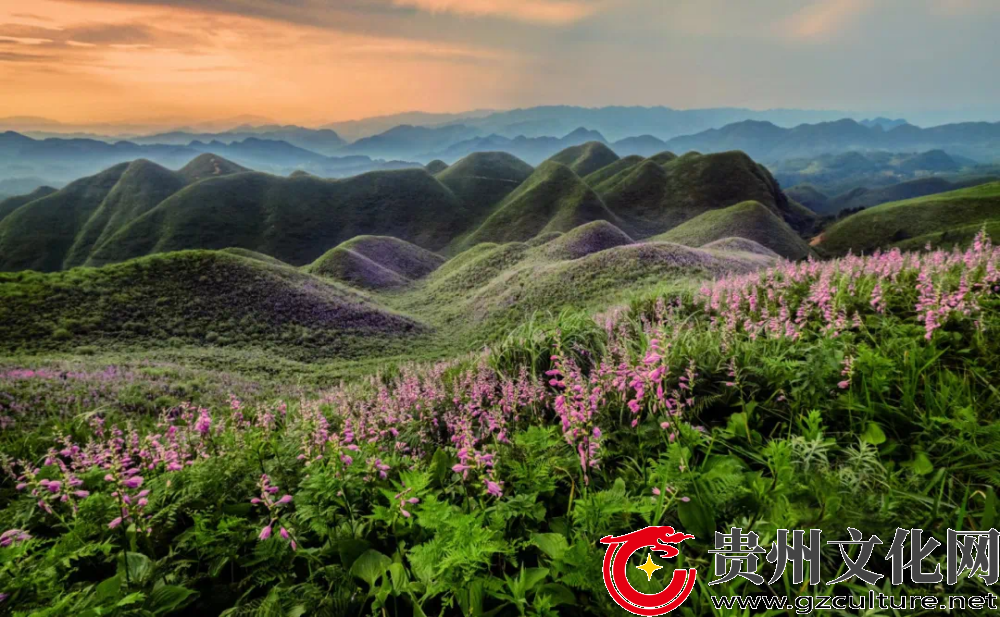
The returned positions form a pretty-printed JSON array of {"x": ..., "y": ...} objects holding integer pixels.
[
  {"x": 532, "y": 150},
  {"x": 768, "y": 142},
  {"x": 643, "y": 145},
  {"x": 408, "y": 141},
  {"x": 321, "y": 141},
  {"x": 63, "y": 160}
]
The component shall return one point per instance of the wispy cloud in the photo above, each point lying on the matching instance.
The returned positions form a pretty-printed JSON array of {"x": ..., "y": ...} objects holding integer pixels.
[
  {"x": 549, "y": 12},
  {"x": 823, "y": 18}
]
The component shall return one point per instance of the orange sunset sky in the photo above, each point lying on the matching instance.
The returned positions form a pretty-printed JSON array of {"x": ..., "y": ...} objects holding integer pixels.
[{"x": 315, "y": 61}]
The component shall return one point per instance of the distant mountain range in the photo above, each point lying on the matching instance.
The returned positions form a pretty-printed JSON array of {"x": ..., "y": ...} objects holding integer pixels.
[
  {"x": 57, "y": 161},
  {"x": 768, "y": 142}
]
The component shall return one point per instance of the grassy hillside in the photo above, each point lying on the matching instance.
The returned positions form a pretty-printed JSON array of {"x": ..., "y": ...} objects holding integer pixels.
[
  {"x": 871, "y": 197},
  {"x": 140, "y": 189},
  {"x": 584, "y": 240},
  {"x": 750, "y": 220},
  {"x": 209, "y": 166},
  {"x": 810, "y": 197},
  {"x": 436, "y": 166},
  {"x": 739, "y": 245},
  {"x": 608, "y": 171},
  {"x": 39, "y": 235},
  {"x": 586, "y": 158},
  {"x": 652, "y": 198},
  {"x": 483, "y": 179},
  {"x": 293, "y": 219},
  {"x": 192, "y": 297},
  {"x": 896, "y": 222},
  {"x": 254, "y": 255},
  {"x": 552, "y": 199},
  {"x": 376, "y": 262},
  {"x": 8, "y": 205}
]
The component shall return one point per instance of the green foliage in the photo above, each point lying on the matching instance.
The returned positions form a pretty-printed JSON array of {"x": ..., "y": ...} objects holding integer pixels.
[{"x": 943, "y": 219}]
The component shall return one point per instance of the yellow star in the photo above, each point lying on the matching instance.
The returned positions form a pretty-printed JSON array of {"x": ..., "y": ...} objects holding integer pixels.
[{"x": 649, "y": 567}]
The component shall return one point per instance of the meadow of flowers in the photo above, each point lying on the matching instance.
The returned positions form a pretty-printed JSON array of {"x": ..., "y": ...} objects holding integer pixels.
[{"x": 854, "y": 392}]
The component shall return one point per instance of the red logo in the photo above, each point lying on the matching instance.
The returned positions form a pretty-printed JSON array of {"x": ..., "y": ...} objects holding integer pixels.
[{"x": 620, "y": 548}]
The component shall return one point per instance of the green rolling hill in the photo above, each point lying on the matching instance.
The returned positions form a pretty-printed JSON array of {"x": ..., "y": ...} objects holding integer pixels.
[
  {"x": 376, "y": 262},
  {"x": 552, "y": 199},
  {"x": 584, "y": 240},
  {"x": 595, "y": 178},
  {"x": 436, "y": 166},
  {"x": 586, "y": 158},
  {"x": 140, "y": 188},
  {"x": 652, "y": 198},
  {"x": 750, "y": 220},
  {"x": 192, "y": 297},
  {"x": 293, "y": 219},
  {"x": 921, "y": 220},
  {"x": 209, "y": 166},
  {"x": 8, "y": 205},
  {"x": 483, "y": 179},
  {"x": 40, "y": 234}
]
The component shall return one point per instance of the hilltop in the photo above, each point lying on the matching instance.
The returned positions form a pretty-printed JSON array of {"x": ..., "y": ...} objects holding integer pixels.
[
  {"x": 924, "y": 219},
  {"x": 868, "y": 198},
  {"x": 750, "y": 220},
  {"x": 10, "y": 204},
  {"x": 584, "y": 240},
  {"x": 193, "y": 297},
  {"x": 376, "y": 262},
  {"x": 293, "y": 219},
  {"x": 553, "y": 198},
  {"x": 651, "y": 198},
  {"x": 209, "y": 165},
  {"x": 483, "y": 179},
  {"x": 60, "y": 229},
  {"x": 586, "y": 158},
  {"x": 597, "y": 177}
]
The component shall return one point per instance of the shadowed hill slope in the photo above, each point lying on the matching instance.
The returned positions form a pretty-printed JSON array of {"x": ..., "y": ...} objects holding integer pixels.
[
  {"x": 39, "y": 235},
  {"x": 609, "y": 171},
  {"x": 652, "y": 198},
  {"x": 586, "y": 158},
  {"x": 140, "y": 189},
  {"x": 192, "y": 297},
  {"x": 750, "y": 220},
  {"x": 482, "y": 179},
  {"x": 7, "y": 206},
  {"x": 552, "y": 199},
  {"x": 895, "y": 222},
  {"x": 376, "y": 262},
  {"x": 810, "y": 197},
  {"x": 293, "y": 219},
  {"x": 436, "y": 166},
  {"x": 869, "y": 198}
]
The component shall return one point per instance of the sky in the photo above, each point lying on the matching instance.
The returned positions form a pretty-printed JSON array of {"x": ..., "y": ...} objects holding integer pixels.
[{"x": 316, "y": 61}]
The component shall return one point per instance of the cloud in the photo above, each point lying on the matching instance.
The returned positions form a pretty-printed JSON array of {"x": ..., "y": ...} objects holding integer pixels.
[
  {"x": 547, "y": 12},
  {"x": 823, "y": 18}
]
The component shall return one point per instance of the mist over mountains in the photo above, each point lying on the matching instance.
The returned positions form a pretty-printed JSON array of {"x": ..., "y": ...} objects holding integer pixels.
[{"x": 36, "y": 158}]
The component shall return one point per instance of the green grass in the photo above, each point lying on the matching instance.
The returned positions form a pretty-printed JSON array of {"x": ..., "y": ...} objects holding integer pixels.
[
  {"x": 483, "y": 179},
  {"x": 584, "y": 240},
  {"x": 376, "y": 262},
  {"x": 209, "y": 166},
  {"x": 9, "y": 204},
  {"x": 293, "y": 219},
  {"x": 552, "y": 199},
  {"x": 193, "y": 298},
  {"x": 40, "y": 234},
  {"x": 891, "y": 223},
  {"x": 587, "y": 158},
  {"x": 652, "y": 198},
  {"x": 750, "y": 220},
  {"x": 595, "y": 178},
  {"x": 869, "y": 198},
  {"x": 436, "y": 166}
]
